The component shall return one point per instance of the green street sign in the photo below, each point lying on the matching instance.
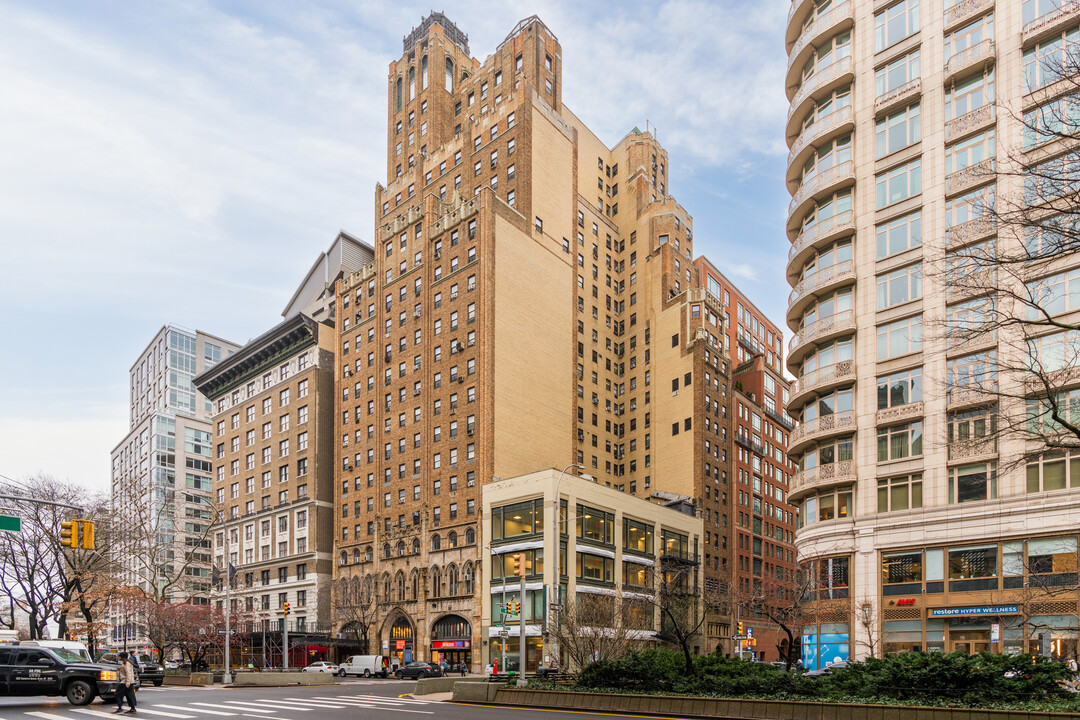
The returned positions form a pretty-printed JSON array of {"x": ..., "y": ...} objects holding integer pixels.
[{"x": 11, "y": 523}]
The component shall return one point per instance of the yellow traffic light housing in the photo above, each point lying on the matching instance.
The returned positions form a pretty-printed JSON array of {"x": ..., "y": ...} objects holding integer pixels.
[
  {"x": 286, "y": 608},
  {"x": 519, "y": 564},
  {"x": 69, "y": 533},
  {"x": 87, "y": 527},
  {"x": 740, "y": 632}
]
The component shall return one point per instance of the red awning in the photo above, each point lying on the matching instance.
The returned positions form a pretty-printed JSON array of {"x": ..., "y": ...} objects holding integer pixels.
[{"x": 317, "y": 648}]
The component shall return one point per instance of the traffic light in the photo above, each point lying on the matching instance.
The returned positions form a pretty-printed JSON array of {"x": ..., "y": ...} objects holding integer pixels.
[
  {"x": 519, "y": 564},
  {"x": 87, "y": 534},
  {"x": 69, "y": 533},
  {"x": 740, "y": 631},
  {"x": 515, "y": 607},
  {"x": 287, "y": 606}
]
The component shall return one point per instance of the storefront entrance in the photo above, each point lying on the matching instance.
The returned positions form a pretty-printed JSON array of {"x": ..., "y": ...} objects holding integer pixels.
[
  {"x": 969, "y": 642},
  {"x": 451, "y": 639},
  {"x": 401, "y": 645}
]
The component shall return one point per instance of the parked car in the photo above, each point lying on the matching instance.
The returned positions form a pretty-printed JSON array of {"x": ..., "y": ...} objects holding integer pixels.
[
  {"x": 417, "y": 670},
  {"x": 829, "y": 668},
  {"x": 55, "y": 671},
  {"x": 322, "y": 667},
  {"x": 366, "y": 665},
  {"x": 150, "y": 671}
]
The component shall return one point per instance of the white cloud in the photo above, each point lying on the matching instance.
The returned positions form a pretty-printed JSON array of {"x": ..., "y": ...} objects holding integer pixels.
[{"x": 742, "y": 270}]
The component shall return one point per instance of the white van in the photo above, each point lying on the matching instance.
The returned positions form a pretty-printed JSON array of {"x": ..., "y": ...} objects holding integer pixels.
[{"x": 366, "y": 665}]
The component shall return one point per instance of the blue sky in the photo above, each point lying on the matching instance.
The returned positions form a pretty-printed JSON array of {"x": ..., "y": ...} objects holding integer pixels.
[{"x": 184, "y": 162}]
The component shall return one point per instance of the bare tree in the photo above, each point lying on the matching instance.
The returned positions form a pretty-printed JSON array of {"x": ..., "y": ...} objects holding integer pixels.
[
  {"x": 356, "y": 608},
  {"x": 683, "y": 604},
  {"x": 34, "y": 571},
  {"x": 603, "y": 627},
  {"x": 782, "y": 601}
]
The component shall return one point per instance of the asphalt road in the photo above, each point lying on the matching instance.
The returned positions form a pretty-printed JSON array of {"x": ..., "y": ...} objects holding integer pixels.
[{"x": 348, "y": 699}]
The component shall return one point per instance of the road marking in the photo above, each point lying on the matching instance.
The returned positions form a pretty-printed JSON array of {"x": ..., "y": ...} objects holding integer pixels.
[
  {"x": 208, "y": 712},
  {"x": 256, "y": 707},
  {"x": 163, "y": 713},
  {"x": 46, "y": 716},
  {"x": 313, "y": 702},
  {"x": 231, "y": 703}
]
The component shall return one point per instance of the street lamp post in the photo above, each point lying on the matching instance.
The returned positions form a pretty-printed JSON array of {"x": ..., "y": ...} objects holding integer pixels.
[{"x": 555, "y": 604}]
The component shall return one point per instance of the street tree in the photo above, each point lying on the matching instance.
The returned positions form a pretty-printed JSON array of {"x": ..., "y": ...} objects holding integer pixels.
[
  {"x": 602, "y": 627},
  {"x": 683, "y": 603}
]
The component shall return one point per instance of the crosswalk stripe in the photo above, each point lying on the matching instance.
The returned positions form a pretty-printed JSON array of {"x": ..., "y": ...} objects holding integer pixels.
[
  {"x": 234, "y": 706},
  {"x": 95, "y": 711},
  {"x": 178, "y": 707},
  {"x": 218, "y": 705},
  {"x": 257, "y": 707},
  {"x": 304, "y": 702},
  {"x": 163, "y": 713},
  {"x": 387, "y": 700},
  {"x": 46, "y": 716}
]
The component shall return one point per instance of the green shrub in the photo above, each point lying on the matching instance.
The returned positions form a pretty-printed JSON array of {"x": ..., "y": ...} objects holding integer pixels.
[
  {"x": 654, "y": 670},
  {"x": 730, "y": 677}
]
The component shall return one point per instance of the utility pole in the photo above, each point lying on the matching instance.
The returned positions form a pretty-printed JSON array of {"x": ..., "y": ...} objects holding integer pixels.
[
  {"x": 227, "y": 676},
  {"x": 285, "y": 639},
  {"x": 521, "y": 624}
]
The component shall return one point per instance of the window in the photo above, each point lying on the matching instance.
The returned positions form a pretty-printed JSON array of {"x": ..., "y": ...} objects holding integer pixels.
[
  {"x": 896, "y": 23},
  {"x": 969, "y": 36},
  {"x": 899, "y": 183},
  {"x": 900, "y": 493},
  {"x": 897, "y": 73},
  {"x": 970, "y": 206},
  {"x": 834, "y": 49},
  {"x": 830, "y": 505},
  {"x": 899, "y": 235},
  {"x": 969, "y": 95},
  {"x": 969, "y": 152},
  {"x": 897, "y": 131},
  {"x": 969, "y": 320},
  {"x": 1053, "y": 295},
  {"x": 899, "y": 442},
  {"x": 1053, "y": 472},
  {"x": 829, "y": 155},
  {"x": 1052, "y": 120},
  {"x": 1032, "y": 9},
  {"x": 1051, "y": 59},
  {"x": 899, "y": 286},
  {"x": 899, "y": 388},
  {"x": 971, "y": 483}
]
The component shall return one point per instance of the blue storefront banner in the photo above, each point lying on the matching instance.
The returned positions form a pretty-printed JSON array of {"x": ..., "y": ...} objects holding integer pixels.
[{"x": 981, "y": 610}]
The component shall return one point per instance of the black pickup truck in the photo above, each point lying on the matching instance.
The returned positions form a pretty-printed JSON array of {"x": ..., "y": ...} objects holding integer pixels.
[{"x": 54, "y": 671}]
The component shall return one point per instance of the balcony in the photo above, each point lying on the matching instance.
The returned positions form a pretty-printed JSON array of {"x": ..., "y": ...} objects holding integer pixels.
[
  {"x": 967, "y": 123},
  {"x": 838, "y": 473},
  {"x": 747, "y": 442},
  {"x": 780, "y": 419},
  {"x": 973, "y": 450},
  {"x": 969, "y": 177},
  {"x": 971, "y": 394},
  {"x": 899, "y": 413},
  {"x": 819, "y": 184},
  {"x": 822, "y": 25},
  {"x": 898, "y": 96},
  {"x": 819, "y": 282},
  {"x": 965, "y": 59},
  {"x": 834, "y": 122},
  {"x": 820, "y": 232},
  {"x": 821, "y": 379},
  {"x": 969, "y": 232},
  {"x": 825, "y": 78},
  {"x": 818, "y": 330},
  {"x": 965, "y": 10},
  {"x": 824, "y": 426},
  {"x": 1051, "y": 21}
]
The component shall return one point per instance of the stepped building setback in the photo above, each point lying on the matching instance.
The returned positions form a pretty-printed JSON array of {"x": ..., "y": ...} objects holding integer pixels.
[{"x": 534, "y": 303}]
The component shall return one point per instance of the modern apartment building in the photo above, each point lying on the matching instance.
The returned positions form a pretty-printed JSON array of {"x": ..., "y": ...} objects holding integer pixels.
[
  {"x": 533, "y": 303},
  {"x": 273, "y": 456},
  {"x": 924, "y": 528},
  {"x": 161, "y": 473}
]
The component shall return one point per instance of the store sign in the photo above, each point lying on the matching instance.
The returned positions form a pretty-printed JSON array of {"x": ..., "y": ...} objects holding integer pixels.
[
  {"x": 995, "y": 632},
  {"x": 906, "y": 601},
  {"x": 386, "y": 645},
  {"x": 981, "y": 610},
  {"x": 399, "y": 644},
  {"x": 451, "y": 645}
]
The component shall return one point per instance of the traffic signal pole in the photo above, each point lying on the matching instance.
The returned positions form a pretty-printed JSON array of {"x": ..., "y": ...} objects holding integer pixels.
[{"x": 521, "y": 624}]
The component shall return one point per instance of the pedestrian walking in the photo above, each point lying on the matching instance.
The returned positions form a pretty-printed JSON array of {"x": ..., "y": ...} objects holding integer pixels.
[
  {"x": 464, "y": 669},
  {"x": 128, "y": 679}
]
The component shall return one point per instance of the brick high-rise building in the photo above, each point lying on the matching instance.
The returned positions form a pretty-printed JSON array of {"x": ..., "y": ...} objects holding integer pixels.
[
  {"x": 533, "y": 303},
  {"x": 923, "y": 529}
]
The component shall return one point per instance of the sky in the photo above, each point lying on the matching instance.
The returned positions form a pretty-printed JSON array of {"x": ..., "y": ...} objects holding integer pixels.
[{"x": 185, "y": 161}]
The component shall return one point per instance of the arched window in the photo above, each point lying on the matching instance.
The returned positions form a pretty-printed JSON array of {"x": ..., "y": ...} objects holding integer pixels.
[
  {"x": 401, "y": 548},
  {"x": 344, "y": 558},
  {"x": 416, "y": 546},
  {"x": 436, "y": 542},
  {"x": 470, "y": 537},
  {"x": 414, "y": 579},
  {"x": 386, "y": 551},
  {"x": 436, "y": 583},
  {"x": 397, "y": 94},
  {"x": 451, "y": 539},
  {"x": 449, "y": 75},
  {"x": 467, "y": 576},
  {"x": 369, "y": 554},
  {"x": 423, "y": 73},
  {"x": 412, "y": 83},
  {"x": 400, "y": 582},
  {"x": 356, "y": 555},
  {"x": 386, "y": 587},
  {"x": 452, "y": 580}
]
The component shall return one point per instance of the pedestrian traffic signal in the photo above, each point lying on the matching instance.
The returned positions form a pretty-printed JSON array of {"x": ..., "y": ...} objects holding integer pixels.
[
  {"x": 519, "y": 564},
  {"x": 69, "y": 533},
  {"x": 287, "y": 606},
  {"x": 87, "y": 534}
]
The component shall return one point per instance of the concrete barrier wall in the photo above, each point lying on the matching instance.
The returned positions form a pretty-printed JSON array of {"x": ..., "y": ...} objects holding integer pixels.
[
  {"x": 258, "y": 679},
  {"x": 737, "y": 709},
  {"x": 475, "y": 692},
  {"x": 427, "y": 686}
]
